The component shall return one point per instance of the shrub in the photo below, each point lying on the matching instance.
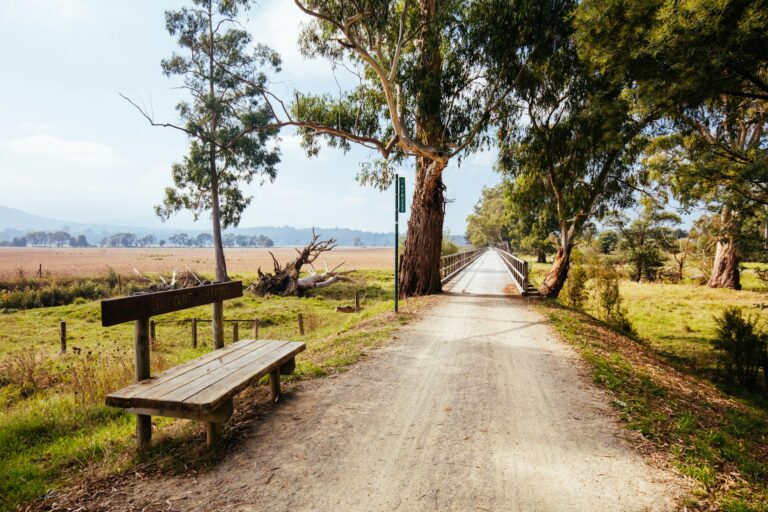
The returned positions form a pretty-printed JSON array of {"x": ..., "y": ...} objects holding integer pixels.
[
  {"x": 448, "y": 247},
  {"x": 742, "y": 346},
  {"x": 608, "y": 297},
  {"x": 34, "y": 295},
  {"x": 575, "y": 289},
  {"x": 646, "y": 262}
]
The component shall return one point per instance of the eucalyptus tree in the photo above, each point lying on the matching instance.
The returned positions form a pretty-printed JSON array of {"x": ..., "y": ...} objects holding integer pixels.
[
  {"x": 716, "y": 154},
  {"x": 218, "y": 119},
  {"x": 645, "y": 238},
  {"x": 422, "y": 94},
  {"x": 574, "y": 158},
  {"x": 532, "y": 229},
  {"x": 488, "y": 223},
  {"x": 426, "y": 91},
  {"x": 704, "y": 66}
]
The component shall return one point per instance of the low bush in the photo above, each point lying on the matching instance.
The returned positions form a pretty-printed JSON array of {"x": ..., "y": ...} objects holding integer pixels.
[
  {"x": 608, "y": 298},
  {"x": 575, "y": 290},
  {"x": 742, "y": 347},
  {"x": 53, "y": 294},
  {"x": 448, "y": 247}
]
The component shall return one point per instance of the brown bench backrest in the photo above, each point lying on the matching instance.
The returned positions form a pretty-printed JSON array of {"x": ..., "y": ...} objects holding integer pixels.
[{"x": 138, "y": 307}]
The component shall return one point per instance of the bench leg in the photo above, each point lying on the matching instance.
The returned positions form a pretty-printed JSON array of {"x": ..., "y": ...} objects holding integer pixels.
[
  {"x": 143, "y": 430},
  {"x": 287, "y": 367},
  {"x": 213, "y": 433},
  {"x": 274, "y": 384}
]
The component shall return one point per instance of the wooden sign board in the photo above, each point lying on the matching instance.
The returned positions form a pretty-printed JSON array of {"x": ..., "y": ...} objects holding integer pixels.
[{"x": 137, "y": 307}]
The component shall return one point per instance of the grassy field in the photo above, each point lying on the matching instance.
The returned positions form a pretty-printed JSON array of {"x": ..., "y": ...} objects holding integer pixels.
[
  {"x": 53, "y": 426},
  {"x": 94, "y": 261},
  {"x": 678, "y": 320}
]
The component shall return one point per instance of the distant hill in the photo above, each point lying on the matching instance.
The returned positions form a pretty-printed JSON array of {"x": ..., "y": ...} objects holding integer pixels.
[
  {"x": 15, "y": 223},
  {"x": 11, "y": 218}
]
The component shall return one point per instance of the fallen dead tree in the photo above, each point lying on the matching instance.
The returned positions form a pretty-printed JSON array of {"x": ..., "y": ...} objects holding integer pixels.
[{"x": 287, "y": 281}]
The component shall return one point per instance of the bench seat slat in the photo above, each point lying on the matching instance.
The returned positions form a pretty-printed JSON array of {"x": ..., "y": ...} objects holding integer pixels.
[
  {"x": 207, "y": 380},
  {"x": 235, "y": 382},
  {"x": 225, "y": 354},
  {"x": 218, "y": 366},
  {"x": 251, "y": 362}
]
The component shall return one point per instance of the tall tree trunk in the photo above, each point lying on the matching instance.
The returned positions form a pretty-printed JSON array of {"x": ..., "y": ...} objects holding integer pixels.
[
  {"x": 555, "y": 279},
  {"x": 217, "y": 322},
  {"x": 765, "y": 246},
  {"x": 725, "y": 270},
  {"x": 420, "y": 264},
  {"x": 638, "y": 274},
  {"x": 218, "y": 245},
  {"x": 541, "y": 256},
  {"x": 221, "y": 265}
]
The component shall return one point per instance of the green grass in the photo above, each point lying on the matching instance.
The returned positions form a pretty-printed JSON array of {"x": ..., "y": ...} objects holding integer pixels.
[
  {"x": 678, "y": 320},
  {"x": 52, "y": 422},
  {"x": 719, "y": 443}
]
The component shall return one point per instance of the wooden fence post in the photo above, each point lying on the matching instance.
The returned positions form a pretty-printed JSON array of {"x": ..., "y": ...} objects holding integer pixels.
[
  {"x": 235, "y": 332},
  {"x": 301, "y": 324},
  {"x": 141, "y": 346},
  {"x": 194, "y": 333},
  {"x": 255, "y": 328},
  {"x": 152, "y": 337},
  {"x": 357, "y": 301},
  {"x": 63, "y": 336}
]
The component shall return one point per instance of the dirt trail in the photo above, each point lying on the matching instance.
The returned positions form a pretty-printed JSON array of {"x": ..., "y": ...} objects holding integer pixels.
[{"x": 476, "y": 407}]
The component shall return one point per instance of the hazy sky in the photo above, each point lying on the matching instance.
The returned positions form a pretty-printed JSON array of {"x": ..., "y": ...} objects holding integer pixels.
[{"x": 71, "y": 148}]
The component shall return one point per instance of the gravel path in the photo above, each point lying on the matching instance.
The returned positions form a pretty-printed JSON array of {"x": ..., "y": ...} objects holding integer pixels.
[{"x": 476, "y": 407}]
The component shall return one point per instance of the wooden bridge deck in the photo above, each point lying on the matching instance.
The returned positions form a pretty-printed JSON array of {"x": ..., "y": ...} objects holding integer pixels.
[{"x": 487, "y": 275}]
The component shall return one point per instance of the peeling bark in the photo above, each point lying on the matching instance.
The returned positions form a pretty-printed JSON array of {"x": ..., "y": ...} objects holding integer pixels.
[
  {"x": 725, "y": 270},
  {"x": 420, "y": 264},
  {"x": 555, "y": 279}
]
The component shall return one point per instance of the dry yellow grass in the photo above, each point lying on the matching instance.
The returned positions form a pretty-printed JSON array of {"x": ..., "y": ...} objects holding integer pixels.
[{"x": 91, "y": 262}]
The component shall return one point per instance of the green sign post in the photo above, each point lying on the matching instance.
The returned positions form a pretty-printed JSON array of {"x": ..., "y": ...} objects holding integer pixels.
[{"x": 399, "y": 208}]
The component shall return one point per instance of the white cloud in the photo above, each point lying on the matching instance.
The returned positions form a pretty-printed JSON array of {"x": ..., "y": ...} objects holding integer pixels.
[
  {"x": 51, "y": 147},
  {"x": 48, "y": 12}
]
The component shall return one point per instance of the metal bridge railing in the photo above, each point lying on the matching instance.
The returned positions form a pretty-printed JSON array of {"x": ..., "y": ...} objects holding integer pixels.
[
  {"x": 452, "y": 264},
  {"x": 518, "y": 268}
]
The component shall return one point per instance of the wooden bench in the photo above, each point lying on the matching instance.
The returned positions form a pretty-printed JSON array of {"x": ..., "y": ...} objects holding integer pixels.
[{"x": 201, "y": 389}]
